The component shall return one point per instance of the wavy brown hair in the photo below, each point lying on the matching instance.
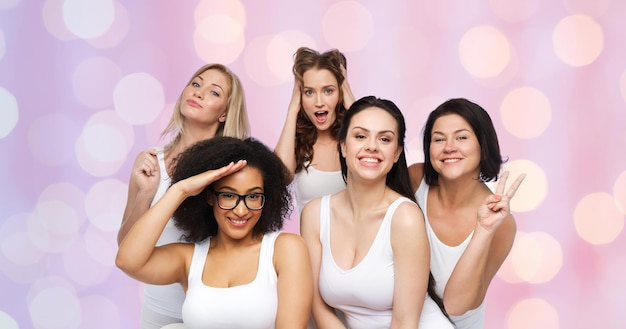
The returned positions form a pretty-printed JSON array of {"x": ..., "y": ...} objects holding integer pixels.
[{"x": 306, "y": 133}]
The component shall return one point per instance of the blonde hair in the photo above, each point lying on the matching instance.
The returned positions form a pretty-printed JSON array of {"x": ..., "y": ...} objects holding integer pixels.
[{"x": 236, "y": 124}]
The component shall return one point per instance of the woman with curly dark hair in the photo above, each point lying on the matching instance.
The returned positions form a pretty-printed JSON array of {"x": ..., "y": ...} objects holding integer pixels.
[
  {"x": 309, "y": 139},
  {"x": 230, "y": 198}
]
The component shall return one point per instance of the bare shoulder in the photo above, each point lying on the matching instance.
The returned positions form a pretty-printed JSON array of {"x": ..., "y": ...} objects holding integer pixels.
[
  {"x": 289, "y": 250},
  {"x": 408, "y": 216},
  {"x": 312, "y": 207},
  {"x": 287, "y": 240},
  {"x": 309, "y": 217}
]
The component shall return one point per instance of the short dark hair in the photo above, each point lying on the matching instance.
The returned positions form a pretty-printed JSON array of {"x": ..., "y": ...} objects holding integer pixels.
[
  {"x": 195, "y": 216},
  {"x": 490, "y": 159},
  {"x": 398, "y": 178}
]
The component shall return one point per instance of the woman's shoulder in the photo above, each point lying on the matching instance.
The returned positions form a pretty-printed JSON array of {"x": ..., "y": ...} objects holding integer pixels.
[
  {"x": 288, "y": 239},
  {"x": 289, "y": 246},
  {"x": 407, "y": 214}
]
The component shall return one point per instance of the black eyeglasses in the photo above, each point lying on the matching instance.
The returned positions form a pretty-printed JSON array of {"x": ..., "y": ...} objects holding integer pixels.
[{"x": 230, "y": 200}]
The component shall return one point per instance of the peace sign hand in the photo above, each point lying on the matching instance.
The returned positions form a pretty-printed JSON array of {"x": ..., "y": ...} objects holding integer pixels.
[{"x": 496, "y": 207}]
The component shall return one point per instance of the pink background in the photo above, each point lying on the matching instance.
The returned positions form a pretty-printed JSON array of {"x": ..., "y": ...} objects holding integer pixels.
[{"x": 84, "y": 86}]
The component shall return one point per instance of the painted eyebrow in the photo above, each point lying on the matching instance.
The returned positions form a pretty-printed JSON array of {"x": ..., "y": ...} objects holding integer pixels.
[{"x": 214, "y": 84}]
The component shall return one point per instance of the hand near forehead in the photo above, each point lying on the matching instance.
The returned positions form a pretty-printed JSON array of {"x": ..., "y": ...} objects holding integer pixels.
[
  {"x": 497, "y": 206},
  {"x": 195, "y": 184}
]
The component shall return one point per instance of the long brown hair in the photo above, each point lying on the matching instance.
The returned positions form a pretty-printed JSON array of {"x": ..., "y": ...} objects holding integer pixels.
[{"x": 306, "y": 133}]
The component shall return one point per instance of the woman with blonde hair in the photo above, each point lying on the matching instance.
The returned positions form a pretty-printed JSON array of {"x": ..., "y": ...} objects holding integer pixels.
[{"x": 211, "y": 104}]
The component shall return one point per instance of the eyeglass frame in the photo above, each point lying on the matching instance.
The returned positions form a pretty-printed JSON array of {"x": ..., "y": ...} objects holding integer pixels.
[{"x": 239, "y": 198}]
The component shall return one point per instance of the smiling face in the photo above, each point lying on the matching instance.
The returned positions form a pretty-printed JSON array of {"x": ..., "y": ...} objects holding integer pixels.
[
  {"x": 371, "y": 145},
  {"x": 205, "y": 98},
  {"x": 237, "y": 223},
  {"x": 320, "y": 96},
  {"x": 454, "y": 148}
]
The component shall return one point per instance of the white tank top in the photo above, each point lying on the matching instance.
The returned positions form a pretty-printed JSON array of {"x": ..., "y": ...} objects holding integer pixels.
[
  {"x": 316, "y": 183},
  {"x": 443, "y": 259},
  {"x": 165, "y": 299},
  {"x": 252, "y": 305},
  {"x": 364, "y": 293}
]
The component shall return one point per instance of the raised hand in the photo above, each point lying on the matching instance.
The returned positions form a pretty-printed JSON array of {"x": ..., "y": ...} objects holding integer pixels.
[
  {"x": 496, "y": 207},
  {"x": 146, "y": 173},
  {"x": 296, "y": 96},
  {"x": 348, "y": 97},
  {"x": 195, "y": 184}
]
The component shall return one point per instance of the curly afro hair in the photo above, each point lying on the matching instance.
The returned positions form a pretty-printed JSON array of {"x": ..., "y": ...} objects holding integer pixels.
[{"x": 195, "y": 216}]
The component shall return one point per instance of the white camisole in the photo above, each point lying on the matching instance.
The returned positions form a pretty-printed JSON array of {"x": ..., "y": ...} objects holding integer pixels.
[{"x": 249, "y": 306}]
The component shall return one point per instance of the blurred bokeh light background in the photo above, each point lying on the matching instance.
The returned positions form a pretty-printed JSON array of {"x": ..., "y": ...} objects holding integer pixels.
[{"x": 86, "y": 85}]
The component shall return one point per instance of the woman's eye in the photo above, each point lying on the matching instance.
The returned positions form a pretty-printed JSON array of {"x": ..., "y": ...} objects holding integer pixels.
[
  {"x": 215, "y": 93},
  {"x": 308, "y": 92},
  {"x": 228, "y": 195},
  {"x": 438, "y": 140},
  {"x": 461, "y": 137},
  {"x": 253, "y": 197},
  {"x": 328, "y": 91},
  {"x": 195, "y": 84}
]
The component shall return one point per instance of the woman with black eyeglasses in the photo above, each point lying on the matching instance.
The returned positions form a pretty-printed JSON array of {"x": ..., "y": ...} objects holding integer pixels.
[{"x": 230, "y": 197}]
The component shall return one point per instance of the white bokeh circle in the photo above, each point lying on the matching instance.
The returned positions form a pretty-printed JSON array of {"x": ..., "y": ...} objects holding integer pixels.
[
  {"x": 526, "y": 112},
  {"x": 88, "y": 19},
  {"x": 484, "y": 51},
  {"x": 578, "y": 40},
  {"x": 138, "y": 98},
  {"x": 55, "y": 308},
  {"x": 7, "y": 322},
  {"x": 9, "y": 114},
  {"x": 105, "y": 202},
  {"x": 222, "y": 47},
  {"x": 104, "y": 143},
  {"x": 346, "y": 36}
]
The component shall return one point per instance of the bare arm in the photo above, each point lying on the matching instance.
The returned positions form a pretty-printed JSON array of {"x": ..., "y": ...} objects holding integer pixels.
[
  {"x": 411, "y": 257},
  {"x": 324, "y": 315},
  {"x": 286, "y": 146},
  {"x": 142, "y": 186},
  {"x": 137, "y": 255},
  {"x": 491, "y": 243},
  {"x": 295, "y": 282}
]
